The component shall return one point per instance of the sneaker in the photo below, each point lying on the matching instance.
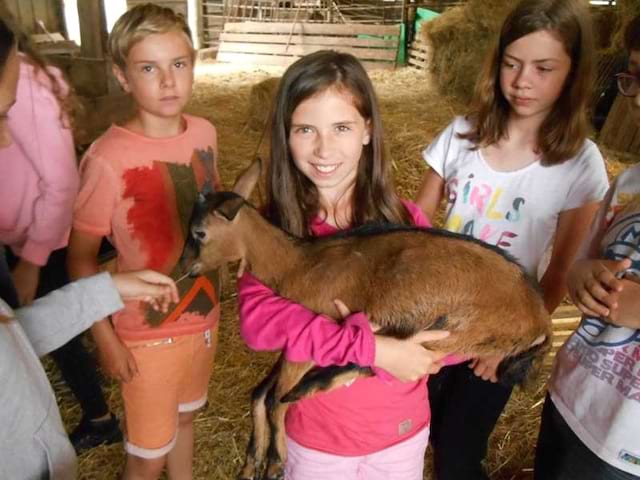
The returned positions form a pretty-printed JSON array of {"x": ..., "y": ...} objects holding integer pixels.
[{"x": 90, "y": 433}]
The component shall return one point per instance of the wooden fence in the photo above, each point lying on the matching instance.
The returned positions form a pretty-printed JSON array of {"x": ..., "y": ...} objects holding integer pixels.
[{"x": 283, "y": 43}]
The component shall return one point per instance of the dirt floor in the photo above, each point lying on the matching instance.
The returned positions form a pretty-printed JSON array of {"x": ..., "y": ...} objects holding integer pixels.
[{"x": 413, "y": 114}]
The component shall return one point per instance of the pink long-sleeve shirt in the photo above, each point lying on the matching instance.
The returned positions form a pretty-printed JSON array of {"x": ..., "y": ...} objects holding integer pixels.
[
  {"x": 38, "y": 173},
  {"x": 357, "y": 419}
]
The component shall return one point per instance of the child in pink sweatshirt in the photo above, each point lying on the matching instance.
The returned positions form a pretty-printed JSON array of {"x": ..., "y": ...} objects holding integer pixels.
[
  {"x": 328, "y": 173},
  {"x": 38, "y": 186}
]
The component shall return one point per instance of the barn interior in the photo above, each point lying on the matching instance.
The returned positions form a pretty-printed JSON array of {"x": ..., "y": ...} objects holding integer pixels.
[{"x": 423, "y": 59}]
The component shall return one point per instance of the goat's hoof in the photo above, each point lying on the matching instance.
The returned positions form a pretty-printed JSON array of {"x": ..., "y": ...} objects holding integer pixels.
[
  {"x": 275, "y": 471},
  {"x": 242, "y": 476},
  {"x": 248, "y": 472}
]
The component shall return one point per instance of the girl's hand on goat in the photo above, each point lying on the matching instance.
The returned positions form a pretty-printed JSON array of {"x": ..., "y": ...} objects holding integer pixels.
[
  {"x": 26, "y": 276},
  {"x": 592, "y": 282},
  {"x": 148, "y": 286},
  {"x": 408, "y": 360},
  {"x": 486, "y": 367}
]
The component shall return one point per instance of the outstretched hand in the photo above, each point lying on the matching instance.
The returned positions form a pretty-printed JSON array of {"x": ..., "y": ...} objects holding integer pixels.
[
  {"x": 148, "y": 286},
  {"x": 407, "y": 360},
  {"x": 592, "y": 284}
]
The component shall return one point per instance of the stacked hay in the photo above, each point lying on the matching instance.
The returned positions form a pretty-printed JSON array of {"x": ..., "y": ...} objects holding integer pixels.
[
  {"x": 260, "y": 101},
  {"x": 460, "y": 39},
  {"x": 626, "y": 10}
]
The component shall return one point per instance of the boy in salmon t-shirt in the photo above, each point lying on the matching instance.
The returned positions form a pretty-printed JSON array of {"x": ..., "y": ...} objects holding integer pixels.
[{"x": 138, "y": 185}]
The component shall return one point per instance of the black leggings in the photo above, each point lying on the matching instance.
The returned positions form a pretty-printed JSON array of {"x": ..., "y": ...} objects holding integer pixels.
[
  {"x": 464, "y": 411},
  {"x": 561, "y": 455},
  {"x": 76, "y": 364}
]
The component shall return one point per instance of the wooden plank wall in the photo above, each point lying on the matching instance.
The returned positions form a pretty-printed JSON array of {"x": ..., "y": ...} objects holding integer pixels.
[
  {"x": 283, "y": 43},
  {"x": 28, "y": 12},
  {"x": 565, "y": 320},
  {"x": 419, "y": 54},
  {"x": 619, "y": 132}
]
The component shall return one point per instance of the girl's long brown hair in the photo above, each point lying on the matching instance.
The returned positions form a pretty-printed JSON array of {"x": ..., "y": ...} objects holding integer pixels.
[
  {"x": 564, "y": 130},
  {"x": 292, "y": 199},
  {"x": 68, "y": 102}
]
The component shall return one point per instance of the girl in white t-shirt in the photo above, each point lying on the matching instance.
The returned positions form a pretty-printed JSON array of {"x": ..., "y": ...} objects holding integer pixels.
[
  {"x": 590, "y": 425},
  {"x": 517, "y": 172}
]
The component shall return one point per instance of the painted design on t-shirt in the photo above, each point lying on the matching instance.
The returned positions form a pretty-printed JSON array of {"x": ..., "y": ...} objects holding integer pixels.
[
  {"x": 163, "y": 196},
  {"x": 481, "y": 200},
  {"x": 611, "y": 353}
]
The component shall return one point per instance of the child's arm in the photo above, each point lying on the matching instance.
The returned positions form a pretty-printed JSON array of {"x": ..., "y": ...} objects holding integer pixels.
[
  {"x": 114, "y": 356},
  {"x": 573, "y": 226},
  {"x": 25, "y": 276},
  {"x": 430, "y": 193},
  {"x": 270, "y": 322},
  {"x": 56, "y": 318},
  {"x": 47, "y": 145}
]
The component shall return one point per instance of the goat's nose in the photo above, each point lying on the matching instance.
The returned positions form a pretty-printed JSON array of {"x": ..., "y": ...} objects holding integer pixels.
[{"x": 199, "y": 233}]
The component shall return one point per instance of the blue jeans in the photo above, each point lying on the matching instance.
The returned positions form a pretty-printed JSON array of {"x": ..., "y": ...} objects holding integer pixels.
[{"x": 560, "y": 455}]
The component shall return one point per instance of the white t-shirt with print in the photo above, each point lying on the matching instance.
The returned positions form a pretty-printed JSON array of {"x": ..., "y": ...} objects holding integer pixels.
[
  {"x": 516, "y": 210},
  {"x": 595, "y": 384}
]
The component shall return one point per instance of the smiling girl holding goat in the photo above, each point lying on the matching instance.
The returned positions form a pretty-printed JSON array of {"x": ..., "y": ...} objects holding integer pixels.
[
  {"x": 518, "y": 172},
  {"x": 328, "y": 173}
]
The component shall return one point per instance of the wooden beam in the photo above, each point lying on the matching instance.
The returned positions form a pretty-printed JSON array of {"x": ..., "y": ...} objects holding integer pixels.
[
  {"x": 308, "y": 40},
  {"x": 93, "y": 28},
  {"x": 301, "y": 50},
  {"x": 312, "y": 28},
  {"x": 194, "y": 10}
]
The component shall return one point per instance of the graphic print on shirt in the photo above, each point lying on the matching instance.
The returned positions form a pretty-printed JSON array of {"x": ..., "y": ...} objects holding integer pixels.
[
  {"x": 163, "y": 196},
  {"x": 490, "y": 221},
  {"x": 609, "y": 352}
]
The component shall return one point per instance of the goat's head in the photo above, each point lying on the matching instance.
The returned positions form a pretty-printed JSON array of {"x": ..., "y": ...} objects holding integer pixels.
[{"x": 214, "y": 237}]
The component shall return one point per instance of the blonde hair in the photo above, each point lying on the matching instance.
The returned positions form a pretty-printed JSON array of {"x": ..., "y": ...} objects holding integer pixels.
[
  {"x": 140, "y": 22},
  {"x": 564, "y": 130}
]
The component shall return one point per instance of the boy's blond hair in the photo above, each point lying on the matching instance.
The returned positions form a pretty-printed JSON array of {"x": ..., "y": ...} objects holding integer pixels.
[{"x": 140, "y": 22}]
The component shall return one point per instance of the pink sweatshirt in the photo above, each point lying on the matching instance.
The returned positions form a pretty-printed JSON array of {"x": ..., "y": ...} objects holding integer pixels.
[
  {"x": 364, "y": 417},
  {"x": 38, "y": 174}
]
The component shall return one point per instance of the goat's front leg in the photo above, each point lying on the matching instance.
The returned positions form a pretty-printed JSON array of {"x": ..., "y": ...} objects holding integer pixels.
[
  {"x": 259, "y": 440},
  {"x": 290, "y": 375}
]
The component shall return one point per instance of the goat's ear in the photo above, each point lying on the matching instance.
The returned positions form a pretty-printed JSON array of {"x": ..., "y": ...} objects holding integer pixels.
[
  {"x": 229, "y": 209},
  {"x": 246, "y": 182}
]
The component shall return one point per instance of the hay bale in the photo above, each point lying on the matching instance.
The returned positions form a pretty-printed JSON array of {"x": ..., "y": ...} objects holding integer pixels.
[
  {"x": 626, "y": 10},
  {"x": 260, "y": 100},
  {"x": 460, "y": 39}
]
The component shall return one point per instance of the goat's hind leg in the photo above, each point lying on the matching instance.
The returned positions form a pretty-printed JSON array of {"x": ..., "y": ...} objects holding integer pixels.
[
  {"x": 290, "y": 376},
  {"x": 277, "y": 450},
  {"x": 322, "y": 379},
  {"x": 258, "y": 442}
]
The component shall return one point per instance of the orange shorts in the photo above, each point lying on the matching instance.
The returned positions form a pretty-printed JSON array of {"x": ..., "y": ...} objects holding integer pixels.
[{"x": 173, "y": 377}]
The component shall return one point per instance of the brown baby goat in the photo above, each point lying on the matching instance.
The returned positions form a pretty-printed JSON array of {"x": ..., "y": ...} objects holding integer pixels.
[{"x": 406, "y": 279}]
